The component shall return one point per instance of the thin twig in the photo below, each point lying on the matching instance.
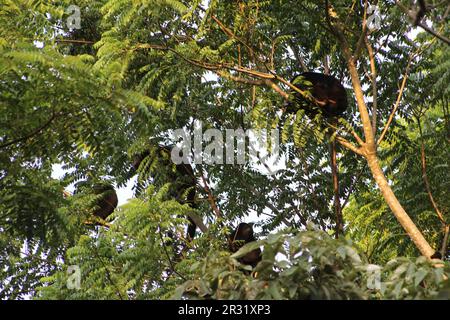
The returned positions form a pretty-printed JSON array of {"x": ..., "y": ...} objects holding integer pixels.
[
  {"x": 351, "y": 131},
  {"x": 172, "y": 267},
  {"x": 425, "y": 176},
  {"x": 74, "y": 41},
  {"x": 444, "y": 242},
  {"x": 108, "y": 274},
  {"x": 373, "y": 80},
  {"x": 34, "y": 132},
  {"x": 297, "y": 56},
  {"x": 337, "y": 202},
  {"x": 363, "y": 35},
  {"x": 397, "y": 102},
  {"x": 211, "y": 200},
  {"x": 353, "y": 185}
]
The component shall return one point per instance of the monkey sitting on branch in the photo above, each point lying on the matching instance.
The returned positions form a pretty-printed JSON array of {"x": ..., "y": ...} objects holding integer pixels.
[
  {"x": 105, "y": 197},
  {"x": 327, "y": 94},
  {"x": 242, "y": 235},
  {"x": 156, "y": 162}
]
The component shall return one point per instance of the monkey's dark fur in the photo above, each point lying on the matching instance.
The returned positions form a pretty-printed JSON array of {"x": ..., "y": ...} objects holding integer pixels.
[
  {"x": 329, "y": 95},
  {"x": 181, "y": 176},
  {"x": 421, "y": 12},
  {"x": 241, "y": 236},
  {"x": 108, "y": 201}
]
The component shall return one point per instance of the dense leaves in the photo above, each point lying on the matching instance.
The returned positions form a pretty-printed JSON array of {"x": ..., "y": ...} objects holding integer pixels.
[
  {"x": 86, "y": 101},
  {"x": 311, "y": 265}
]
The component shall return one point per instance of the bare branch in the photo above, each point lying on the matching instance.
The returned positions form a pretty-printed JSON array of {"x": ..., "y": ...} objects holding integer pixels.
[
  {"x": 74, "y": 41},
  {"x": 198, "y": 221},
  {"x": 353, "y": 185},
  {"x": 211, "y": 199},
  {"x": 172, "y": 266},
  {"x": 445, "y": 241},
  {"x": 350, "y": 146},
  {"x": 363, "y": 35},
  {"x": 351, "y": 131},
  {"x": 30, "y": 135},
  {"x": 229, "y": 76},
  {"x": 425, "y": 176},
  {"x": 373, "y": 80},
  {"x": 337, "y": 202},
  {"x": 297, "y": 56}
]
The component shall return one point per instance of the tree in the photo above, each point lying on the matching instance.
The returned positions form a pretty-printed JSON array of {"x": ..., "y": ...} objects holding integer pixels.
[{"x": 92, "y": 98}]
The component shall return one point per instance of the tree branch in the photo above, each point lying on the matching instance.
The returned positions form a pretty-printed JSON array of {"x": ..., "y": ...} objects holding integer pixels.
[
  {"x": 337, "y": 30},
  {"x": 363, "y": 35},
  {"x": 445, "y": 241},
  {"x": 344, "y": 142},
  {"x": 351, "y": 131},
  {"x": 397, "y": 102},
  {"x": 297, "y": 56},
  {"x": 425, "y": 176},
  {"x": 34, "y": 132},
  {"x": 198, "y": 221},
  {"x": 420, "y": 24},
  {"x": 373, "y": 80},
  {"x": 211, "y": 200},
  {"x": 172, "y": 266}
]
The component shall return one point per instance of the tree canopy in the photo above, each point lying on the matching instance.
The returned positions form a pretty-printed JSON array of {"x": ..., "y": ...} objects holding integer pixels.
[{"x": 359, "y": 211}]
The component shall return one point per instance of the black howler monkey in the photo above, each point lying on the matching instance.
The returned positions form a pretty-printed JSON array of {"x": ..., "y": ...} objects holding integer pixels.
[
  {"x": 106, "y": 203},
  {"x": 329, "y": 98},
  {"x": 421, "y": 12},
  {"x": 329, "y": 95},
  {"x": 436, "y": 255},
  {"x": 181, "y": 176},
  {"x": 242, "y": 235}
]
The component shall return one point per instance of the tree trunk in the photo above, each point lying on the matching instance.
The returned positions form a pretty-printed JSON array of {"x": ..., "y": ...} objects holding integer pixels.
[
  {"x": 370, "y": 151},
  {"x": 397, "y": 209},
  {"x": 444, "y": 242}
]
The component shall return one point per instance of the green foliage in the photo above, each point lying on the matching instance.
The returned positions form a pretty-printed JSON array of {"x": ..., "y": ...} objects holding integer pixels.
[
  {"x": 311, "y": 265},
  {"x": 87, "y": 100},
  {"x": 404, "y": 167},
  {"x": 130, "y": 260}
]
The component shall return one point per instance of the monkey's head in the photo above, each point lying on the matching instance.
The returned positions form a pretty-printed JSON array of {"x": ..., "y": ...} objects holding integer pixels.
[
  {"x": 239, "y": 237},
  {"x": 436, "y": 255}
]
